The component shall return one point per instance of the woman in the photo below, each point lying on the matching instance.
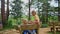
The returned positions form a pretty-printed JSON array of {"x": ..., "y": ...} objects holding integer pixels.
[{"x": 35, "y": 20}]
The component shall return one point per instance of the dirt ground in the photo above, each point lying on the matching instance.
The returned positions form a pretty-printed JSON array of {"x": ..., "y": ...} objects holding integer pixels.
[
  {"x": 44, "y": 30},
  {"x": 13, "y": 31}
]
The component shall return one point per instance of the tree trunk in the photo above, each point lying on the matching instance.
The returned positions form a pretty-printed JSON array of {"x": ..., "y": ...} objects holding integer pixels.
[
  {"x": 3, "y": 12},
  {"x": 29, "y": 10},
  {"x": 59, "y": 14},
  {"x": 54, "y": 31},
  {"x": 47, "y": 11},
  {"x": 43, "y": 16},
  {"x": 38, "y": 10},
  {"x": 7, "y": 13},
  {"x": 59, "y": 11}
]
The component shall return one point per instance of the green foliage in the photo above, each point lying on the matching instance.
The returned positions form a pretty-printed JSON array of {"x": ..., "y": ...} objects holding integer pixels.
[
  {"x": 52, "y": 32},
  {"x": 52, "y": 18},
  {"x": 16, "y": 9},
  {"x": 44, "y": 25},
  {"x": 10, "y": 22},
  {"x": 0, "y": 16}
]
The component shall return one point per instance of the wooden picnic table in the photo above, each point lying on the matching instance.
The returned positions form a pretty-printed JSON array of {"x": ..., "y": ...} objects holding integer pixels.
[{"x": 28, "y": 27}]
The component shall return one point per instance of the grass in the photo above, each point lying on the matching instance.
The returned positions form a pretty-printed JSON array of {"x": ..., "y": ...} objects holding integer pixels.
[
  {"x": 14, "y": 22},
  {"x": 7, "y": 28},
  {"x": 44, "y": 25},
  {"x": 58, "y": 32}
]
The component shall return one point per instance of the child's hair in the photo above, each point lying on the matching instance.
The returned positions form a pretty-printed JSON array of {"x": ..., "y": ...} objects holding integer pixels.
[{"x": 24, "y": 21}]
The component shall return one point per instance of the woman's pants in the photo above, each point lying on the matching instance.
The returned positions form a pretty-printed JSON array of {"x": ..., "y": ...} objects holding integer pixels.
[
  {"x": 26, "y": 31},
  {"x": 34, "y": 31},
  {"x": 30, "y": 32}
]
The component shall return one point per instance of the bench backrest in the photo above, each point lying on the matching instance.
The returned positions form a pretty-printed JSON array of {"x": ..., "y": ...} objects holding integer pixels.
[{"x": 56, "y": 24}]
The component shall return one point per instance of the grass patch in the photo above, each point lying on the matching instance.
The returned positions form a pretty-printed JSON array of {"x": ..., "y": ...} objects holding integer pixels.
[
  {"x": 58, "y": 32},
  {"x": 44, "y": 25},
  {"x": 7, "y": 28}
]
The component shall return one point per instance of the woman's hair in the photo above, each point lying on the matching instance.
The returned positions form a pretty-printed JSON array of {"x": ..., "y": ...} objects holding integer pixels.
[{"x": 34, "y": 11}]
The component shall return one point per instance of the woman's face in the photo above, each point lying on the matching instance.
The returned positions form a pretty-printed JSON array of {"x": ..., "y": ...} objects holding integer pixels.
[{"x": 33, "y": 13}]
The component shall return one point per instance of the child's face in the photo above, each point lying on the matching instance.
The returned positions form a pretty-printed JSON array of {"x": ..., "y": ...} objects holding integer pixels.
[{"x": 24, "y": 21}]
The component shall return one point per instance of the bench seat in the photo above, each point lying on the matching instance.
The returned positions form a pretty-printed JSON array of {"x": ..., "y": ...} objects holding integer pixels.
[{"x": 28, "y": 27}]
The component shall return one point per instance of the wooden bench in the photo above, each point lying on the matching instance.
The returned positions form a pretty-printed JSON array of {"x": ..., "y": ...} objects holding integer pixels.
[
  {"x": 28, "y": 27},
  {"x": 57, "y": 26}
]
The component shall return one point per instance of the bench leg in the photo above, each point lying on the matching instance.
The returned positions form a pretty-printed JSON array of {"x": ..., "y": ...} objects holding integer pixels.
[
  {"x": 38, "y": 31},
  {"x": 56, "y": 29},
  {"x": 51, "y": 29}
]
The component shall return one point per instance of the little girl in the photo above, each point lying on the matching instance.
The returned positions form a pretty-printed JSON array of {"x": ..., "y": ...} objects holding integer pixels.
[{"x": 24, "y": 22}]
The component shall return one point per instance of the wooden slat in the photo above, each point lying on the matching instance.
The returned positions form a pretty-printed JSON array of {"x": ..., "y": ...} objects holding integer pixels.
[{"x": 28, "y": 27}]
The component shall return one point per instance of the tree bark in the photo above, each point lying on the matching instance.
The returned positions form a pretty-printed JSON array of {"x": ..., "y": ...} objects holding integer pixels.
[
  {"x": 59, "y": 11},
  {"x": 38, "y": 10},
  {"x": 58, "y": 14},
  {"x": 3, "y": 12},
  {"x": 47, "y": 11},
  {"x": 7, "y": 13},
  {"x": 29, "y": 10}
]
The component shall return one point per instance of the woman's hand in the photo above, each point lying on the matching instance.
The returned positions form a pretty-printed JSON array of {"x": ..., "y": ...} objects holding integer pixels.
[
  {"x": 36, "y": 22},
  {"x": 30, "y": 22}
]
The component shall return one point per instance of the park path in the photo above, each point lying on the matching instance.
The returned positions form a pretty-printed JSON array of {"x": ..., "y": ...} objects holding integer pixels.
[
  {"x": 13, "y": 31},
  {"x": 44, "y": 30}
]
